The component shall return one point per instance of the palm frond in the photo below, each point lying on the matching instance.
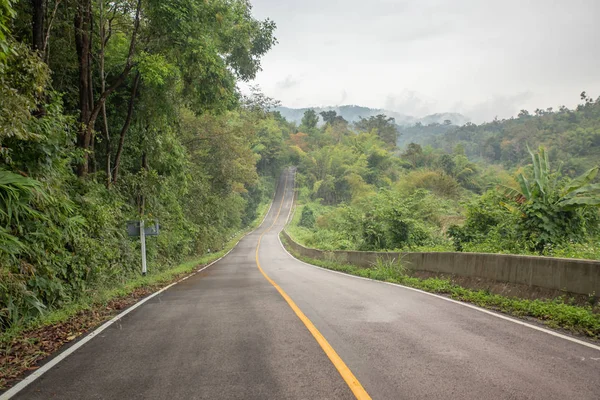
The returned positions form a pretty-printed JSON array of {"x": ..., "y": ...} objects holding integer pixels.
[{"x": 545, "y": 163}]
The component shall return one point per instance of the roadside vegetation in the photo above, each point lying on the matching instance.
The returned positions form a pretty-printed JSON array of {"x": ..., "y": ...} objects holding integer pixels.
[
  {"x": 125, "y": 110},
  {"x": 357, "y": 190},
  {"x": 561, "y": 312}
]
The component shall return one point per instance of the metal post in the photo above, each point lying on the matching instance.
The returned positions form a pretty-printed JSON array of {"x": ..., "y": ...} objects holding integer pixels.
[{"x": 143, "y": 239}]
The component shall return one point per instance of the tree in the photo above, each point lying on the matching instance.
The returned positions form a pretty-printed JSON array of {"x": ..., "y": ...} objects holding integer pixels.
[
  {"x": 331, "y": 117},
  {"x": 299, "y": 140},
  {"x": 310, "y": 119},
  {"x": 208, "y": 45},
  {"x": 385, "y": 128},
  {"x": 447, "y": 163},
  {"x": 307, "y": 219},
  {"x": 414, "y": 153}
]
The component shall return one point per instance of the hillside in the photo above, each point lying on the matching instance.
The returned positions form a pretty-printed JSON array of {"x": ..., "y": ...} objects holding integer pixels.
[
  {"x": 572, "y": 138},
  {"x": 352, "y": 113}
]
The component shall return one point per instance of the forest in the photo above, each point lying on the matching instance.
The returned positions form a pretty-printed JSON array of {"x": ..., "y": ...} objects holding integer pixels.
[
  {"x": 572, "y": 137},
  {"x": 113, "y": 111},
  {"x": 527, "y": 185}
]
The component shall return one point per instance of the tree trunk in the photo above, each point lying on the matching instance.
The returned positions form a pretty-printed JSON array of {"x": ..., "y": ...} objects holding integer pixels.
[
  {"x": 89, "y": 115},
  {"x": 103, "y": 41},
  {"x": 39, "y": 14},
  {"x": 82, "y": 44},
  {"x": 91, "y": 133},
  {"x": 45, "y": 49},
  {"x": 125, "y": 128}
]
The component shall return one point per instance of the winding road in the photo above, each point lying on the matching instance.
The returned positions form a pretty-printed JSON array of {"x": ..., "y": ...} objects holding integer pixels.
[{"x": 259, "y": 324}]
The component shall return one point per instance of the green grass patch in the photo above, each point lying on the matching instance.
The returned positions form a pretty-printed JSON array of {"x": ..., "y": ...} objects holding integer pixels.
[{"x": 556, "y": 313}]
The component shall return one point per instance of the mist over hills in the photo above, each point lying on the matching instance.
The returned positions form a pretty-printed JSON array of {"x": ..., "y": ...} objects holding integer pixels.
[{"x": 353, "y": 113}]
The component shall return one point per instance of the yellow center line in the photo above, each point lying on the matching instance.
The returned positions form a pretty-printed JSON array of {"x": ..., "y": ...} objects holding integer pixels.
[{"x": 336, "y": 360}]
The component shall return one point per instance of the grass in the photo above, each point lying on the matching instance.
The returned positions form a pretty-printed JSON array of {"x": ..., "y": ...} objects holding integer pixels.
[{"x": 556, "y": 313}]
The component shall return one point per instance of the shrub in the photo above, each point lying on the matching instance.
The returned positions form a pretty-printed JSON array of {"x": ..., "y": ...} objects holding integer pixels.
[{"x": 307, "y": 218}]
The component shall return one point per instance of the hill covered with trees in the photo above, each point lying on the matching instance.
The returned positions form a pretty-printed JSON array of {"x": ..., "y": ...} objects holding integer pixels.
[
  {"x": 572, "y": 137},
  {"x": 353, "y": 113}
]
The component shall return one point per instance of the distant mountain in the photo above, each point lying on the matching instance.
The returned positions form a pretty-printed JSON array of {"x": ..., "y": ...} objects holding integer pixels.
[{"x": 353, "y": 113}]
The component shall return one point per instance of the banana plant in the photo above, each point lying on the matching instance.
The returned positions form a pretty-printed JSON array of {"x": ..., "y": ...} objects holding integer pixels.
[
  {"x": 550, "y": 211},
  {"x": 545, "y": 188}
]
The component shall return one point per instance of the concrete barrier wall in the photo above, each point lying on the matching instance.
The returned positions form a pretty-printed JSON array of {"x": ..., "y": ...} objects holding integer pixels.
[{"x": 564, "y": 274}]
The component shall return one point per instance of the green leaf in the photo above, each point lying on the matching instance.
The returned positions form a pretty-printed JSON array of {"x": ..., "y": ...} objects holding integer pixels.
[
  {"x": 525, "y": 189},
  {"x": 588, "y": 189},
  {"x": 536, "y": 166},
  {"x": 581, "y": 180},
  {"x": 512, "y": 194},
  {"x": 580, "y": 201}
]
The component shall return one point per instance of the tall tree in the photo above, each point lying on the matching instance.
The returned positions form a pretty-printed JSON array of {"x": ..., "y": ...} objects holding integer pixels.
[
  {"x": 89, "y": 107},
  {"x": 385, "y": 128},
  {"x": 38, "y": 17},
  {"x": 331, "y": 117},
  {"x": 310, "y": 119}
]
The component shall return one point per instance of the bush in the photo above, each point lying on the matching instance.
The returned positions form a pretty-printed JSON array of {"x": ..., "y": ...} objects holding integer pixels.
[
  {"x": 307, "y": 218},
  {"x": 437, "y": 182}
]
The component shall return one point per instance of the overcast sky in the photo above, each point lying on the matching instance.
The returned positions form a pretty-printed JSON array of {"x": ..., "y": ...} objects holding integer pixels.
[{"x": 483, "y": 58}]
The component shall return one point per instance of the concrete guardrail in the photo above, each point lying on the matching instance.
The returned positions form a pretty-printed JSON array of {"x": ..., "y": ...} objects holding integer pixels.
[{"x": 563, "y": 274}]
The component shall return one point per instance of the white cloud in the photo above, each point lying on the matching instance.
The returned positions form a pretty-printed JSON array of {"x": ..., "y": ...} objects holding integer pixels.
[
  {"x": 286, "y": 83},
  {"x": 425, "y": 56}
]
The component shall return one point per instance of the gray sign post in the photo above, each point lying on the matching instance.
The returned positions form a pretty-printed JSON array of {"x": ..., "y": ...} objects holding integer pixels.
[
  {"x": 138, "y": 228},
  {"x": 143, "y": 240}
]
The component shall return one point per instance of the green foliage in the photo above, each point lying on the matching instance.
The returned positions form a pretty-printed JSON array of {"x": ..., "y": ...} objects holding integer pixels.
[
  {"x": 173, "y": 142},
  {"x": 486, "y": 221},
  {"x": 426, "y": 199},
  {"x": 389, "y": 222},
  {"x": 439, "y": 183},
  {"x": 572, "y": 137},
  {"x": 310, "y": 119},
  {"x": 384, "y": 269},
  {"x": 23, "y": 79},
  {"x": 383, "y": 127},
  {"x": 307, "y": 218},
  {"x": 6, "y": 14},
  {"x": 552, "y": 210}
]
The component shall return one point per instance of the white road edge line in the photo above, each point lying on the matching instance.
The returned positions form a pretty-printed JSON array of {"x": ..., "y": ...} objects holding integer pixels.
[
  {"x": 46, "y": 367},
  {"x": 483, "y": 310}
]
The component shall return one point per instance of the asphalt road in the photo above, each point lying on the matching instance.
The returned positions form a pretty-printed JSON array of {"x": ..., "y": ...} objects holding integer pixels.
[{"x": 227, "y": 333}]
